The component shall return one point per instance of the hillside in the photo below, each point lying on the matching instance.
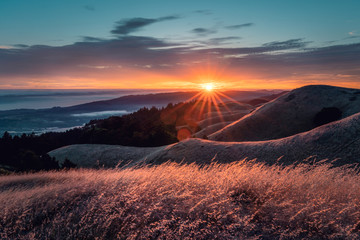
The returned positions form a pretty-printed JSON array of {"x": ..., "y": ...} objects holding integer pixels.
[
  {"x": 338, "y": 140},
  {"x": 100, "y": 155},
  {"x": 297, "y": 111}
]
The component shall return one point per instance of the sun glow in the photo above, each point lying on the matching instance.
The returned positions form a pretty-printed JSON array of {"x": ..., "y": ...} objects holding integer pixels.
[
  {"x": 209, "y": 87},
  {"x": 207, "y": 106}
]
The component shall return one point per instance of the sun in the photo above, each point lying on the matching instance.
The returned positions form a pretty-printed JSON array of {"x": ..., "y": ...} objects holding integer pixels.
[{"x": 209, "y": 87}]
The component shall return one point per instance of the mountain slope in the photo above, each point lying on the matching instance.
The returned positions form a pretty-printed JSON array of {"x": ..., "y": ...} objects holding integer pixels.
[
  {"x": 337, "y": 140},
  {"x": 292, "y": 113}
]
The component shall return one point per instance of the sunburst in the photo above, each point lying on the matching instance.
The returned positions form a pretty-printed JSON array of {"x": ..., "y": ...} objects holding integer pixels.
[{"x": 208, "y": 103}]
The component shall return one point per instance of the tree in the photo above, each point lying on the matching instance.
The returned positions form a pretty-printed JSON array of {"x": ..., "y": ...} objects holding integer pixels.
[{"x": 67, "y": 164}]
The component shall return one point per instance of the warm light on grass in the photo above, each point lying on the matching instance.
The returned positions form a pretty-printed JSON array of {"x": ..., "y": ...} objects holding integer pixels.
[{"x": 243, "y": 200}]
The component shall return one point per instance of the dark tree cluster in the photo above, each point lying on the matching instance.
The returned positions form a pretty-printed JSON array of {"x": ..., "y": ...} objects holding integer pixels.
[
  {"x": 144, "y": 128},
  {"x": 24, "y": 154}
]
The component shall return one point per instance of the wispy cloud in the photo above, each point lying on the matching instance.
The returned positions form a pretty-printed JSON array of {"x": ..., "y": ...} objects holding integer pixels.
[
  {"x": 20, "y": 46},
  {"x": 289, "y": 44},
  {"x": 221, "y": 40},
  {"x": 205, "y": 12},
  {"x": 238, "y": 26},
  {"x": 203, "y": 31},
  {"x": 89, "y": 7},
  {"x": 92, "y": 39},
  {"x": 126, "y": 26},
  {"x": 5, "y": 47}
]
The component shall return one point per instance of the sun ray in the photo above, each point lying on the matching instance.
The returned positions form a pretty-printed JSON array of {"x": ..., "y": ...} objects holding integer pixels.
[
  {"x": 202, "y": 108},
  {"x": 201, "y": 96},
  {"x": 217, "y": 108},
  {"x": 231, "y": 99},
  {"x": 210, "y": 103},
  {"x": 186, "y": 101},
  {"x": 216, "y": 96},
  {"x": 209, "y": 111}
]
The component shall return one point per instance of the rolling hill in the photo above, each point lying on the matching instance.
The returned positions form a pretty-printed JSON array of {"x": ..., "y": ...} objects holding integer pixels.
[
  {"x": 338, "y": 140},
  {"x": 297, "y": 111}
]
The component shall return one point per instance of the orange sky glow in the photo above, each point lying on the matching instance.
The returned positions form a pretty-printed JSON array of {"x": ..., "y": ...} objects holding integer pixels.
[{"x": 188, "y": 80}]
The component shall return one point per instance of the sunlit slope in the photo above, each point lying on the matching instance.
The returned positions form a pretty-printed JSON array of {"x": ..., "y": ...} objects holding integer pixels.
[
  {"x": 292, "y": 113},
  {"x": 337, "y": 140},
  {"x": 237, "y": 201}
]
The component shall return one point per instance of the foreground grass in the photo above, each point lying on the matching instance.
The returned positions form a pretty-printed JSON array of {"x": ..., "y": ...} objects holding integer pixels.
[{"x": 239, "y": 200}]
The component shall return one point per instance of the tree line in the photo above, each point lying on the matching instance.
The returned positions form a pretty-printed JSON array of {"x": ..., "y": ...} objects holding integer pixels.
[{"x": 147, "y": 127}]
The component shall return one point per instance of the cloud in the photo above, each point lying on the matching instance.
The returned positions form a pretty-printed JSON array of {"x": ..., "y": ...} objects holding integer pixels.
[
  {"x": 5, "y": 47},
  {"x": 221, "y": 40},
  {"x": 89, "y": 8},
  {"x": 238, "y": 26},
  {"x": 292, "y": 44},
  {"x": 127, "y": 51},
  {"x": 99, "y": 58},
  {"x": 205, "y": 12},
  {"x": 289, "y": 44},
  {"x": 20, "y": 46},
  {"x": 352, "y": 37},
  {"x": 203, "y": 31},
  {"x": 92, "y": 39},
  {"x": 126, "y": 26}
]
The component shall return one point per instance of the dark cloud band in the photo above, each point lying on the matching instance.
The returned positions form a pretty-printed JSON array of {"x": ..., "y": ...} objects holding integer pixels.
[
  {"x": 274, "y": 59},
  {"x": 126, "y": 26}
]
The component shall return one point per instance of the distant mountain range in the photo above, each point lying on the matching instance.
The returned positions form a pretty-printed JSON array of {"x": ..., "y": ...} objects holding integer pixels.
[{"x": 19, "y": 121}]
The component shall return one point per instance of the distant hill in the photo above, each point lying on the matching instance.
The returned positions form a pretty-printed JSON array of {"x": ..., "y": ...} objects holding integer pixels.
[
  {"x": 297, "y": 111},
  {"x": 20, "y": 121},
  {"x": 133, "y": 102},
  {"x": 264, "y": 99},
  {"x": 337, "y": 140}
]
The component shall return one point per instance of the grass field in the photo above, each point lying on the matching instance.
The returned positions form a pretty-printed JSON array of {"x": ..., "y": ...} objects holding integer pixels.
[{"x": 170, "y": 201}]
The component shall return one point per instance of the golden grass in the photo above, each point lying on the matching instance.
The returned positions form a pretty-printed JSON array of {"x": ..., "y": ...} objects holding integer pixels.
[{"x": 225, "y": 201}]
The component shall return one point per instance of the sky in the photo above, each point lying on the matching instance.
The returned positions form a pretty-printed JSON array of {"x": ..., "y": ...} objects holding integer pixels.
[{"x": 236, "y": 44}]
